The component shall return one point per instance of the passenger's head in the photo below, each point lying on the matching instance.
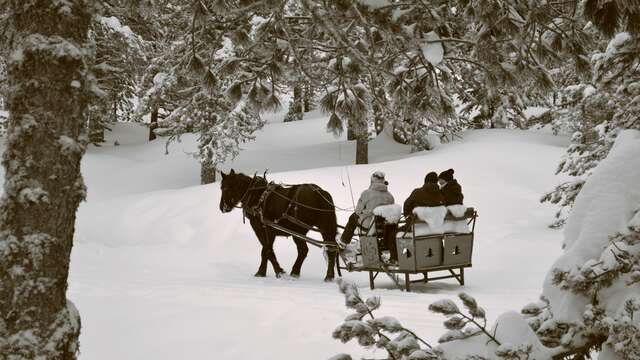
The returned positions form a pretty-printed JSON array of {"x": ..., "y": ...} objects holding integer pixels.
[
  {"x": 431, "y": 178},
  {"x": 378, "y": 177},
  {"x": 445, "y": 177}
]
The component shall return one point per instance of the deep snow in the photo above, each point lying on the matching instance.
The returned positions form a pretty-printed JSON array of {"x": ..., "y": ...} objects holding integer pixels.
[{"x": 158, "y": 272}]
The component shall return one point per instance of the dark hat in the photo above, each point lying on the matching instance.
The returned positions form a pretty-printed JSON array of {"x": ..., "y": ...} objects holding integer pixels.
[
  {"x": 431, "y": 177},
  {"x": 446, "y": 175}
]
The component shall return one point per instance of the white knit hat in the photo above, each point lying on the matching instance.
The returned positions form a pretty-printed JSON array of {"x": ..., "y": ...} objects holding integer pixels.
[{"x": 378, "y": 176}]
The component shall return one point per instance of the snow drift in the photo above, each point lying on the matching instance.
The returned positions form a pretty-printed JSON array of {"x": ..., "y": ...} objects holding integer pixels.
[{"x": 608, "y": 204}]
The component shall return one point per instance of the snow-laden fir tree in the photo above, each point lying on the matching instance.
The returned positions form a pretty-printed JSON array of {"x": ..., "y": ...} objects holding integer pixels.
[
  {"x": 598, "y": 109},
  {"x": 476, "y": 53},
  {"x": 49, "y": 89},
  {"x": 118, "y": 57},
  {"x": 199, "y": 87},
  {"x": 349, "y": 100}
]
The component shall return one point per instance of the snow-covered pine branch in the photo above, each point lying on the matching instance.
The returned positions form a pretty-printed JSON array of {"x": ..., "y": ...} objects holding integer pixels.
[
  {"x": 597, "y": 113},
  {"x": 119, "y": 53},
  {"x": 380, "y": 332}
]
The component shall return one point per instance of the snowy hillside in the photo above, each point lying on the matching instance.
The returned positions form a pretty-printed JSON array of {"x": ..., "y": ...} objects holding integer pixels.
[{"x": 158, "y": 272}]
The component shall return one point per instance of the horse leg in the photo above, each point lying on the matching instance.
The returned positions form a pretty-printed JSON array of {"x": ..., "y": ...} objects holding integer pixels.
[
  {"x": 262, "y": 269},
  {"x": 303, "y": 249},
  {"x": 331, "y": 255},
  {"x": 264, "y": 254},
  {"x": 271, "y": 255}
]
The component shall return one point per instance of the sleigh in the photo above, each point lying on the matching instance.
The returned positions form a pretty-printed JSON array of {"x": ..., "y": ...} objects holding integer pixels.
[
  {"x": 418, "y": 248},
  {"x": 388, "y": 245}
]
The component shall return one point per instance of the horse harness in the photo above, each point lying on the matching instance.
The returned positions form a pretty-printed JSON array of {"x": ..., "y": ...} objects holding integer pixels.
[
  {"x": 259, "y": 208},
  {"x": 291, "y": 212}
]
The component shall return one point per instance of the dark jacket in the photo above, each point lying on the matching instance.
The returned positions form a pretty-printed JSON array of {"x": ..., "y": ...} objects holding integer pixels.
[
  {"x": 452, "y": 193},
  {"x": 428, "y": 195}
]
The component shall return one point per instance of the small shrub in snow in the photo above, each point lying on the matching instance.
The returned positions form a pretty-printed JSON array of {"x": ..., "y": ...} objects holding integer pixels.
[
  {"x": 511, "y": 352},
  {"x": 385, "y": 333},
  {"x": 457, "y": 321},
  {"x": 445, "y": 307}
]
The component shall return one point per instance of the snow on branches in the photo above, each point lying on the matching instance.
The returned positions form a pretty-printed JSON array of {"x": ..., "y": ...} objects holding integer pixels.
[
  {"x": 385, "y": 333},
  {"x": 467, "y": 337},
  {"x": 119, "y": 53},
  {"x": 595, "y": 282},
  {"x": 221, "y": 127},
  {"x": 595, "y": 115}
]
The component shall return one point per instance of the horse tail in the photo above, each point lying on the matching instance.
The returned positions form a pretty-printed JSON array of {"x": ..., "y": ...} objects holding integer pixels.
[
  {"x": 333, "y": 219},
  {"x": 332, "y": 227}
]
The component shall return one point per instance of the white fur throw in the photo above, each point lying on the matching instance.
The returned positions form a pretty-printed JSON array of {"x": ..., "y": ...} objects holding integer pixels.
[
  {"x": 457, "y": 210},
  {"x": 433, "y": 216},
  {"x": 391, "y": 213}
]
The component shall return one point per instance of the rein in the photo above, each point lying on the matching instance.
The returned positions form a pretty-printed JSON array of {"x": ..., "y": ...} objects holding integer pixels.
[
  {"x": 272, "y": 186},
  {"x": 317, "y": 191},
  {"x": 246, "y": 192}
]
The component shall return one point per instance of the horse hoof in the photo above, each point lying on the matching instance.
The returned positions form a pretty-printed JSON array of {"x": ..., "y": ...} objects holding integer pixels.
[
  {"x": 281, "y": 274},
  {"x": 328, "y": 279},
  {"x": 295, "y": 276},
  {"x": 259, "y": 274}
]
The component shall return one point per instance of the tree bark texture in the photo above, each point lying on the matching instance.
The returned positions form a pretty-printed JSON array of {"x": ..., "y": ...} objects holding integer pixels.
[
  {"x": 96, "y": 129},
  {"x": 153, "y": 124},
  {"x": 295, "y": 111},
  {"x": 207, "y": 173},
  {"x": 308, "y": 97},
  {"x": 362, "y": 150},
  {"x": 49, "y": 93}
]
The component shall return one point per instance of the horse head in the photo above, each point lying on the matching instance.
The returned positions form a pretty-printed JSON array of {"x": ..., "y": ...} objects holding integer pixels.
[{"x": 232, "y": 189}]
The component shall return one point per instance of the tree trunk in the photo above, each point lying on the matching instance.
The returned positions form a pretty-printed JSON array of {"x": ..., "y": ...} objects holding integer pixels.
[
  {"x": 96, "y": 129},
  {"x": 297, "y": 100},
  {"x": 378, "y": 118},
  {"x": 308, "y": 97},
  {"x": 207, "y": 173},
  {"x": 43, "y": 187},
  {"x": 362, "y": 150},
  {"x": 153, "y": 124},
  {"x": 295, "y": 108},
  {"x": 115, "y": 111},
  {"x": 352, "y": 133}
]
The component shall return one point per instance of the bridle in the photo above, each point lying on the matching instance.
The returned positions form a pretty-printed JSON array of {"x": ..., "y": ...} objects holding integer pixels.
[{"x": 246, "y": 193}]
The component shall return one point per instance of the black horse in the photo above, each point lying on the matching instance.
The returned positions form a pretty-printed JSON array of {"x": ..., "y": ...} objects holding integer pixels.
[{"x": 291, "y": 207}]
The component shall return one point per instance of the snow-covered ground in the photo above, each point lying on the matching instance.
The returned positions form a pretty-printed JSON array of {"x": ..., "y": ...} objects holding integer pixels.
[{"x": 158, "y": 272}]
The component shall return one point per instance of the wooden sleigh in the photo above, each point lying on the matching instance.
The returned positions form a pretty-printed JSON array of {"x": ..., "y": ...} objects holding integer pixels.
[{"x": 449, "y": 252}]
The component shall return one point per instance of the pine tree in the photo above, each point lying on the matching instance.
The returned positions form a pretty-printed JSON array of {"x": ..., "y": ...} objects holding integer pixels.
[
  {"x": 594, "y": 111},
  {"x": 197, "y": 88},
  {"x": 49, "y": 86},
  {"x": 296, "y": 106},
  {"x": 118, "y": 57}
]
